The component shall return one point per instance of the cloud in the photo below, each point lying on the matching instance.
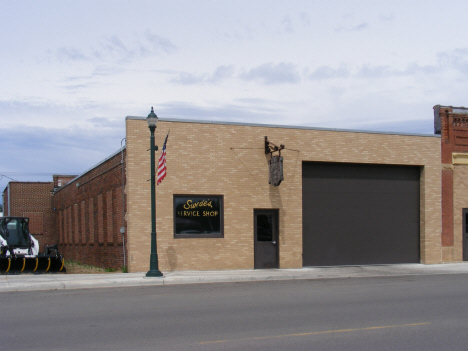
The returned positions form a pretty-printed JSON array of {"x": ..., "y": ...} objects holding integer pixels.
[
  {"x": 90, "y": 80},
  {"x": 372, "y": 112},
  {"x": 114, "y": 47},
  {"x": 387, "y": 18},
  {"x": 189, "y": 78},
  {"x": 75, "y": 87},
  {"x": 242, "y": 110},
  {"x": 369, "y": 71},
  {"x": 305, "y": 19},
  {"x": 287, "y": 24},
  {"x": 221, "y": 73},
  {"x": 52, "y": 141},
  {"x": 159, "y": 43},
  {"x": 269, "y": 74},
  {"x": 11, "y": 109},
  {"x": 71, "y": 54},
  {"x": 414, "y": 68},
  {"x": 359, "y": 27},
  {"x": 104, "y": 70},
  {"x": 117, "y": 49},
  {"x": 414, "y": 126},
  {"x": 28, "y": 152},
  {"x": 456, "y": 59},
  {"x": 83, "y": 116},
  {"x": 326, "y": 72},
  {"x": 103, "y": 122},
  {"x": 353, "y": 28},
  {"x": 237, "y": 31}
]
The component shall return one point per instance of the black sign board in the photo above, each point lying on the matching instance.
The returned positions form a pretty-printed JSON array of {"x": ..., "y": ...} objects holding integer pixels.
[
  {"x": 198, "y": 216},
  {"x": 276, "y": 170}
]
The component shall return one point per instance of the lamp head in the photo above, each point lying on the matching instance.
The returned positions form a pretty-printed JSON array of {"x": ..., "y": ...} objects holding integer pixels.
[{"x": 152, "y": 119}]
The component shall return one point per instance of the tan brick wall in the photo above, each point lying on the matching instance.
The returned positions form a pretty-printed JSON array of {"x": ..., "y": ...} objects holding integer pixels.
[
  {"x": 460, "y": 201},
  {"x": 229, "y": 160}
]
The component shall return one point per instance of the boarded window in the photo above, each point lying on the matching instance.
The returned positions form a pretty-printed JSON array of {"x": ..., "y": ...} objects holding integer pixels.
[
  {"x": 65, "y": 228},
  {"x": 61, "y": 226},
  {"x": 100, "y": 219},
  {"x": 77, "y": 227},
  {"x": 91, "y": 220},
  {"x": 118, "y": 212},
  {"x": 83, "y": 221},
  {"x": 110, "y": 227},
  {"x": 70, "y": 232}
]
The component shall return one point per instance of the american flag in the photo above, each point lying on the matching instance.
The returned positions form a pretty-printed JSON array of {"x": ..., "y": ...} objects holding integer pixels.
[{"x": 162, "y": 163}]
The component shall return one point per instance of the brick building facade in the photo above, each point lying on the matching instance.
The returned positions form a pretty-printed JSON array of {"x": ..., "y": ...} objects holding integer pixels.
[
  {"x": 228, "y": 160},
  {"x": 35, "y": 201},
  {"x": 89, "y": 214},
  {"x": 452, "y": 124},
  {"x": 417, "y": 182}
]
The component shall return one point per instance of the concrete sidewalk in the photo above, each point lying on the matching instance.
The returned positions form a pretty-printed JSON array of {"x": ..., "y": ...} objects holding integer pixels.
[{"x": 28, "y": 282}]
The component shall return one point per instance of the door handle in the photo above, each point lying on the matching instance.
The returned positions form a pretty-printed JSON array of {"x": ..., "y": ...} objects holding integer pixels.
[{"x": 273, "y": 242}]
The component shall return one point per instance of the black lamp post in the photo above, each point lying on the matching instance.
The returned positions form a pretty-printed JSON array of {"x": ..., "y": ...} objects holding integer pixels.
[{"x": 154, "y": 270}]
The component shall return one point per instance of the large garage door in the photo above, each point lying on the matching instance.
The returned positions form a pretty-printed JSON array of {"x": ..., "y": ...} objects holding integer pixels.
[{"x": 360, "y": 214}]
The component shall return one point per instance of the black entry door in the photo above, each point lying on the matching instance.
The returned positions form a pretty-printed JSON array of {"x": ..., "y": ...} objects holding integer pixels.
[
  {"x": 265, "y": 239},
  {"x": 465, "y": 234}
]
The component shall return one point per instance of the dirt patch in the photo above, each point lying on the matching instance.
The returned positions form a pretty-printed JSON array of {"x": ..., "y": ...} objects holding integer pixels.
[{"x": 77, "y": 268}]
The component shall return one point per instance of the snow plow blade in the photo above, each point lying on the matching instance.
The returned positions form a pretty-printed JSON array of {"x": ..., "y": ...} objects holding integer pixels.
[{"x": 39, "y": 264}]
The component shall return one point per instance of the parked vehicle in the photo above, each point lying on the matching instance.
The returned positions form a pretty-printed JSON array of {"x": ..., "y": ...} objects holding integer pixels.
[{"x": 19, "y": 250}]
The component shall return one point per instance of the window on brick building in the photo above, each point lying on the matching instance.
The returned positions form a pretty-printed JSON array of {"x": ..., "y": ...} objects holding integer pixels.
[{"x": 198, "y": 216}]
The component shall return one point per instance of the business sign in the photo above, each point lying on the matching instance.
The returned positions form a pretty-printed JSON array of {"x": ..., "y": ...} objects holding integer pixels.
[
  {"x": 275, "y": 170},
  {"x": 198, "y": 216}
]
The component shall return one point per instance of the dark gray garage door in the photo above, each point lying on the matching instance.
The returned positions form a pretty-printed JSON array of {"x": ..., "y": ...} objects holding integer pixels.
[{"x": 359, "y": 214}]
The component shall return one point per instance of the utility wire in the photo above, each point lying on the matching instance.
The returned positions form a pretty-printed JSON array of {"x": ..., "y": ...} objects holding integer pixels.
[{"x": 2, "y": 175}]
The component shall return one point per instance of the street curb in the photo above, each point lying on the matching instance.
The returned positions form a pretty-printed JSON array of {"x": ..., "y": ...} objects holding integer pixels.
[{"x": 11, "y": 283}]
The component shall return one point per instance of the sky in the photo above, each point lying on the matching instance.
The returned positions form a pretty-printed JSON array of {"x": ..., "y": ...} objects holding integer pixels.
[{"x": 71, "y": 71}]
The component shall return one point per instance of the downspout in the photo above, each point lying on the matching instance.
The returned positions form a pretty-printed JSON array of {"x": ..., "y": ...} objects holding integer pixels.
[{"x": 122, "y": 230}]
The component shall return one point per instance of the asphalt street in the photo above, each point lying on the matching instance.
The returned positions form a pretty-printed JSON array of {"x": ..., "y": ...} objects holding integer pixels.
[{"x": 418, "y": 312}]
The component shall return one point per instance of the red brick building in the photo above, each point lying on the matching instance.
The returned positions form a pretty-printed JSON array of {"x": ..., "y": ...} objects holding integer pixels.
[
  {"x": 83, "y": 214},
  {"x": 89, "y": 214},
  {"x": 452, "y": 124},
  {"x": 35, "y": 201}
]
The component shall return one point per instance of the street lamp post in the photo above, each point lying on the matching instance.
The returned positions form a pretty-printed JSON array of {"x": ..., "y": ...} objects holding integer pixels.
[{"x": 154, "y": 270}]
